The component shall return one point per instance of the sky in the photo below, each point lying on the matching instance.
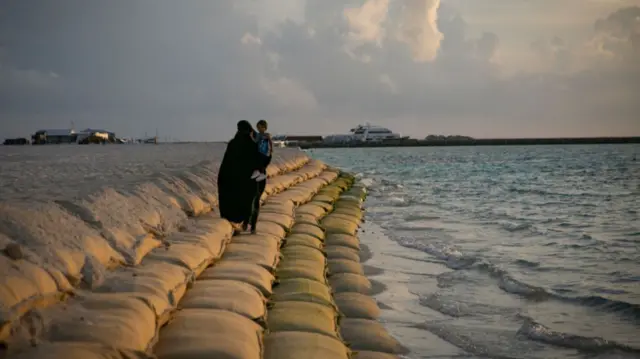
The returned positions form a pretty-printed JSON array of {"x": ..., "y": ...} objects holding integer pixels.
[{"x": 192, "y": 68}]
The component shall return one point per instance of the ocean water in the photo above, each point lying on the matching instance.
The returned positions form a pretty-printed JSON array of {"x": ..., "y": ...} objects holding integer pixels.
[{"x": 506, "y": 252}]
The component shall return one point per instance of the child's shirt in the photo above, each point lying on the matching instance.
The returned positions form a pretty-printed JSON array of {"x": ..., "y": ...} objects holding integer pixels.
[{"x": 264, "y": 143}]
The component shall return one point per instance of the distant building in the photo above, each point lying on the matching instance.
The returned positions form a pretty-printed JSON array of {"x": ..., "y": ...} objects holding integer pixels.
[{"x": 54, "y": 136}]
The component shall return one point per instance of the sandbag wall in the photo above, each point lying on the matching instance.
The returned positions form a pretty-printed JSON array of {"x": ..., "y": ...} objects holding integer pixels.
[
  {"x": 119, "y": 316},
  {"x": 359, "y": 328},
  {"x": 302, "y": 321},
  {"x": 224, "y": 313}
]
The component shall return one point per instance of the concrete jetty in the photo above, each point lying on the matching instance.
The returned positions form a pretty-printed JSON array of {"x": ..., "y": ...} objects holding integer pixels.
[{"x": 150, "y": 270}]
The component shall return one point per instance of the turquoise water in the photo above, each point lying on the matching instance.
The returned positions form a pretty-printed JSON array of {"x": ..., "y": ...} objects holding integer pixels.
[{"x": 538, "y": 246}]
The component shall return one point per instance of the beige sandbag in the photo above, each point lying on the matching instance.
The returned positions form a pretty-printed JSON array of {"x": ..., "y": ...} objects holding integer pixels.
[
  {"x": 306, "y": 218},
  {"x": 24, "y": 286},
  {"x": 77, "y": 351},
  {"x": 302, "y": 290},
  {"x": 301, "y": 239},
  {"x": 302, "y": 317},
  {"x": 112, "y": 319},
  {"x": 282, "y": 219},
  {"x": 308, "y": 229},
  {"x": 357, "y": 305},
  {"x": 296, "y": 195},
  {"x": 340, "y": 252},
  {"x": 346, "y": 197},
  {"x": 264, "y": 253},
  {"x": 265, "y": 227},
  {"x": 353, "y": 219},
  {"x": 213, "y": 225},
  {"x": 296, "y": 345},
  {"x": 249, "y": 273},
  {"x": 333, "y": 224},
  {"x": 328, "y": 176},
  {"x": 325, "y": 198},
  {"x": 286, "y": 208},
  {"x": 373, "y": 355},
  {"x": 340, "y": 203},
  {"x": 293, "y": 251},
  {"x": 349, "y": 282},
  {"x": 337, "y": 266},
  {"x": 193, "y": 257},
  {"x": 214, "y": 242},
  {"x": 312, "y": 210},
  {"x": 353, "y": 212},
  {"x": 345, "y": 240},
  {"x": 161, "y": 285},
  {"x": 208, "y": 333},
  {"x": 365, "y": 334},
  {"x": 328, "y": 207},
  {"x": 302, "y": 268},
  {"x": 234, "y": 296}
]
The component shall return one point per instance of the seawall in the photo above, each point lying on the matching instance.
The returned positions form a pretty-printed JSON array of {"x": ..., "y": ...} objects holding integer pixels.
[{"x": 129, "y": 259}]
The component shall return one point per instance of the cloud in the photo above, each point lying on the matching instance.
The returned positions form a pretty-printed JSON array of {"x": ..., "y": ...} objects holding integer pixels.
[
  {"x": 193, "y": 69},
  {"x": 419, "y": 28}
]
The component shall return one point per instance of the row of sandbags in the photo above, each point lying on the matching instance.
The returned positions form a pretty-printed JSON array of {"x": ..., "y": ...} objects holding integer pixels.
[
  {"x": 302, "y": 320},
  {"x": 48, "y": 249},
  {"x": 359, "y": 328},
  {"x": 224, "y": 313},
  {"x": 129, "y": 306}
]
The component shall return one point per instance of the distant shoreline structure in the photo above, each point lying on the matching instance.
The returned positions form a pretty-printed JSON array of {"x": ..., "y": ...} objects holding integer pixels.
[{"x": 450, "y": 142}]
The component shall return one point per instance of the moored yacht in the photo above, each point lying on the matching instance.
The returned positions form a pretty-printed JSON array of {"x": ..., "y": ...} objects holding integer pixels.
[{"x": 365, "y": 133}]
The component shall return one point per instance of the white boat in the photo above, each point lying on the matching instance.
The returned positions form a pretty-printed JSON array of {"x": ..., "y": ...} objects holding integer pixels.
[{"x": 365, "y": 133}]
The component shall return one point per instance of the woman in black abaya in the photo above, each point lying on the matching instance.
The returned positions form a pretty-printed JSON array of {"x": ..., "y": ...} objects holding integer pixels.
[{"x": 236, "y": 188}]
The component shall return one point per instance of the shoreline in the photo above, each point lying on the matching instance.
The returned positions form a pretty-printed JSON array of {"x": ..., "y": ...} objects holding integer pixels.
[{"x": 479, "y": 142}]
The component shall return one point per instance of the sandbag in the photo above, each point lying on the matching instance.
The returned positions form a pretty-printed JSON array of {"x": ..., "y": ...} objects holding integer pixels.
[
  {"x": 286, "y": 222},
  {"x": 346, "y": 217},
  {"x": 308, "y": 229},
  {"x": 346, "y": 197},
  {"x": 286, "y": 208},
  {"x": 291, "y": 251},
  {"x": 333, "y": 224},
  {"x": 302, "y": 268},
  {"x": 302, "y": 317},
  {"x": 345, "y": 240},
  {"x": 249, "y": 273},
  {"x": 341, "y": 203},
  {"x": 24, "y": 286},
  {"x": 302, "y": 290},
  {"x": 373, "y": 355},
  {"x": 77, "y": 351},
  {"x": 112, "y": 319},
  {"x": 306, "y": 219},
  {"x": 193, "y": 257},
  {"x": 328, "y": 176},
  {"x": 213, "y": 225},
  {"x": 353, "y": 212},
  {"x": 296, "y": 345},
  {"x": 340, "y": 252},
  {"x": 296, "y": 195},
  {"x": 325, "y": 198},
  {"x": 365, "y": 334},
  {"x": 312, "y": 210},
  {"x": 159, "y": 284},
  {"x": 349, "y": 282},
  {"x": 357, "y": 305},
  {"x": 301, "y": 239},
  {"x": 264, "y": 253},
  {"x": 328, "y": 207},
  {"x": 270, "y": 228},
  {"x": 214, "y": 242},
  {"x": 337, "y": 266},
  {"x": 230, "y": 295},
  {"x": 208, "y": 333}
]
